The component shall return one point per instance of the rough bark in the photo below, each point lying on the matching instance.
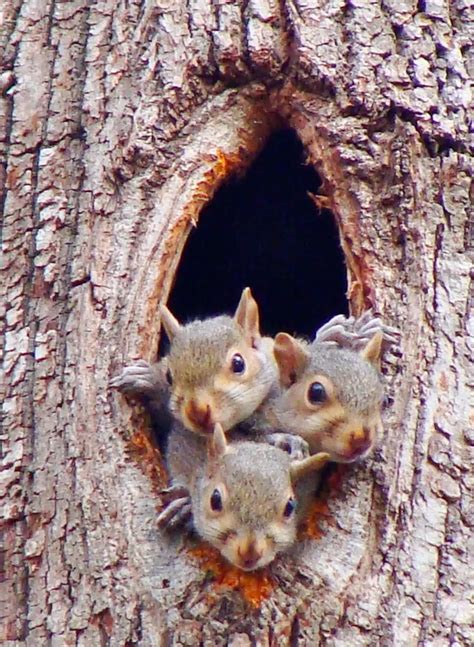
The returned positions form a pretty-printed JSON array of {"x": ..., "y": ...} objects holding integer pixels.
[{"x": 118, "y": 122}]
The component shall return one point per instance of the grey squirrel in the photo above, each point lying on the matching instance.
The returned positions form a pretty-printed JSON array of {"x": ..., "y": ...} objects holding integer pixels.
[
  {"x": 218, "y": 370},
  {"x": 331, "y": 390},
  {"x": 222, "y": 371},
  {"x": 331, "y": 396},
  {"x": 244, "y": 498}
]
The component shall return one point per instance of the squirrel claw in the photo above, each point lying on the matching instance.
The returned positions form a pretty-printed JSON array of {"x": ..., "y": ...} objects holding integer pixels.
[
  {"x": 174, "y": 492},
  {"x": 175, "y": 513},
  {"x": 296, "y": 446},
  {"x": 137, "y": 378},
  {"x": 183, "y": 518},
  {"x": 349, "y": 332}
]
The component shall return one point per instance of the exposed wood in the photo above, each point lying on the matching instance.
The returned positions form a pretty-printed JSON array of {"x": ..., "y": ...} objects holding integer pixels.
[{"x": 118, "y": 122}]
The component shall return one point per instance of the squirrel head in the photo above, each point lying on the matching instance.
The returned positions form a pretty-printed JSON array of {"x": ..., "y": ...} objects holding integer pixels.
[
  {"x": 330, "y": 396},
  {"x": 219, "y": 369},
  {"x": 246, "y": 503}
]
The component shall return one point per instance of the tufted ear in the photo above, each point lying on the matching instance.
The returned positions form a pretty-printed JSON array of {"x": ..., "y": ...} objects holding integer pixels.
[
  {"x": 291, "y": 356},
  {"x": 247, "y": 317},
  {"x": 373, "y": 350},
  {"x": 217, "y": 445},
  {"x": 170, "y": 323},
  {"x": 298, "y": 469}
]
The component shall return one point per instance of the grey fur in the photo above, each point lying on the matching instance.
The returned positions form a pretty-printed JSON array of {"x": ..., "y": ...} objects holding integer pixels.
[
  {"x": 338, "y": 364},
  {"x": 199, "y": 348}
]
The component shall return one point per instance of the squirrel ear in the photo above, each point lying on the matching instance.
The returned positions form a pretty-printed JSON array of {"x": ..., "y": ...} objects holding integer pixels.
[
  {"x": 170, "y": 323},
  {"x": 247, "y": 317},
  {"x": 217, "y": 445},
  {"x": 373, "y": 350},
  {"x": 291, "y": 357},
  {"x": 298, "y": 469}
]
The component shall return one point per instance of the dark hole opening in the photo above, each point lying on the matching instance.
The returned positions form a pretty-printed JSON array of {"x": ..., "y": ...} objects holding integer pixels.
[{"x": 264, "y": 231}]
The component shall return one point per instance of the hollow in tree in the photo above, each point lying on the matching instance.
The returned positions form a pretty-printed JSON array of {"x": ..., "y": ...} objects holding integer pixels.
[{"x": 119, "y": 123}]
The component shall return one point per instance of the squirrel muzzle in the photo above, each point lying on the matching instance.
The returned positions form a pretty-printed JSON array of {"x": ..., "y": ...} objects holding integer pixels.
[
  {"x": 357, "y": 443},
  {"x": 200, "y": 415},
  {"x": 248, "y": 555},
  {"x": 360, "y": 441}
]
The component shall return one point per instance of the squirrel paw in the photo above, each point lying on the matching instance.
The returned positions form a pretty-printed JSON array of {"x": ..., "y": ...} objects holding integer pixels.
[
  {"x": 135, "y": 379},
  {"x": 296, "y": 446},
  {"x": 349, "y": 332},
  {"x": 174, "y": 492},
  {"x": 177, "y": 513},
  {"x": 367, "y": 326},
  {"x": 177, "y": 509}
]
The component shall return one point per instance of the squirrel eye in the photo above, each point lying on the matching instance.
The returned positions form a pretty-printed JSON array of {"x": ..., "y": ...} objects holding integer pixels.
[
  {"x": 216, "y": 501},
  {"x": 289, "y": 508},
  {"x": 316, "y": 393},
  {"x": 169, "y": 377},
  {"x": 238, "y": 363}
]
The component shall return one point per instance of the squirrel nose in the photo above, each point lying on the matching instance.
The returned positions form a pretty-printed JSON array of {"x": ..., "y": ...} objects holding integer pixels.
[
  {"x": 200, "y": 415},
  {"x": 360, "y": 441},
  {"x": 249, "y": 556}
]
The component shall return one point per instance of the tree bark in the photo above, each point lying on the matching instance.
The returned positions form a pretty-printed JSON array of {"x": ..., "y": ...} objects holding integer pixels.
[{"x": 118, "y": 122}]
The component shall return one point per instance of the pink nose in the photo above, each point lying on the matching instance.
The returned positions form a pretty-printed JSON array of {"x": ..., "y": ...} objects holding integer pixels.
[
  {"x": 360, "y": 443},
  {"x": 249, "y": 556},
  {"x": 200, "y": 415}
]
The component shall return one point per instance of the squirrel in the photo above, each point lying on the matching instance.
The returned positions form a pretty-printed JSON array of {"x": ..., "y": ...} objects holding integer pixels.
[
  {"x": 331, "y": 396},
  {"x": 244, "y": 498},
  {"x": 203, "y": 380},
  {"x": 203, "y": 356},
  {"x": 331, "y": 391},
  {"x": 218, "y": 370}
]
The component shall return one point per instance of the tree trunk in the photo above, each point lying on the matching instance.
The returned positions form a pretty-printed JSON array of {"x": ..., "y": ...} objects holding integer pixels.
[{"x": 118, "y": 122}]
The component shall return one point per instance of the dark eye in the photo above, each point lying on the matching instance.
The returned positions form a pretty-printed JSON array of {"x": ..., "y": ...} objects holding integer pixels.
[
  {"x": 289, "y": 508},
  {"x": 238, "y": 363},
  {"x": 316, "y": 393},
  {"x": 169, "y": 377},
  {"x": 216, "y": 501}
]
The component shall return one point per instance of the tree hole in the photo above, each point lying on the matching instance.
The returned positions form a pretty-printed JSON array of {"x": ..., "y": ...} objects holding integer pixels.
[{"x": 264, "y": 231}]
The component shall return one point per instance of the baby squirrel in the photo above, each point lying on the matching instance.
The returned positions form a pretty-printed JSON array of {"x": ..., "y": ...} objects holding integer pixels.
[
  {"x": 218, "y": 370},
  {"x": 331, "y": 396},
  {"x": 221, "y": 370},
  {"x": 331, "y": 390},
  {"x": 245, "y": 498},
  {"x": 340, "y": 416}
]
